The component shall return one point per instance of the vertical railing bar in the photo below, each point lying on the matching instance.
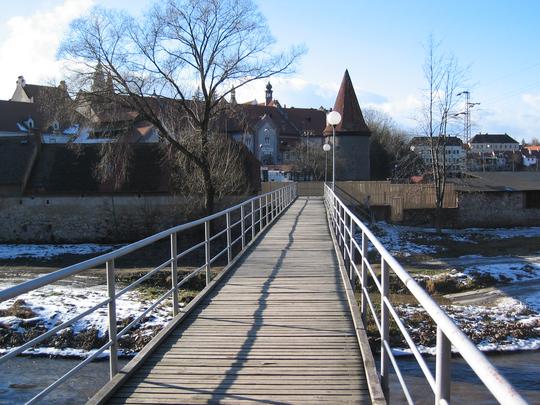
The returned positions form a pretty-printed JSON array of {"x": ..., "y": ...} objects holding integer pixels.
[
  {"x": 443, "y": 362},
  {"x": 385, "y": 330},
  {"x": 229, "y": 248},
  {"x": 266, "y": 210},
  {"x": 252, "y": 220},
  {"x": 111, "y": 290},
  {"x": 207, "y": 250},
  {"x": 243, "y": 227},
  {"x": 364, "y": 253},
  {"x": 352, "y": 249},
  {"x": 174, "y": 272}
]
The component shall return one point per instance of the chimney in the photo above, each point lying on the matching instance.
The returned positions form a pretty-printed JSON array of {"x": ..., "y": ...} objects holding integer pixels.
[
  {"x": 21, "y": 82},
  {"x": 268, "y": 94}
]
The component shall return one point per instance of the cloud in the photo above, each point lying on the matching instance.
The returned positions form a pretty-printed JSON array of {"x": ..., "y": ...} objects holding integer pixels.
[
  {"x": 532, "y": 100},
  {"x": 31, "y": 42}
]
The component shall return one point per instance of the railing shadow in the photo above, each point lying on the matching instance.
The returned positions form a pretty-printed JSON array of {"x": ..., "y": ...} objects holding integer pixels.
[{"x": 247, "y": 346}]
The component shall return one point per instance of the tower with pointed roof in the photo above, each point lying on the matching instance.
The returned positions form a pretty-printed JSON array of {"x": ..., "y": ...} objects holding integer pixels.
[{"x": 352, "y": 135}]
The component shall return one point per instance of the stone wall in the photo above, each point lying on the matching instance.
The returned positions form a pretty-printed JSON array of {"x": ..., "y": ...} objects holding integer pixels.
[
  {"x": 93, "y": 219},
  {"x": 480, "y": 209},
  {"x": 493, "y": 209}
]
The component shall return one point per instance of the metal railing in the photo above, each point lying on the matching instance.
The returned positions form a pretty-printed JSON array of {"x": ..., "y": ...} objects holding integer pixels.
[
  {"x": 255, "y": 215},
  {"x": 347, "y": 228}
]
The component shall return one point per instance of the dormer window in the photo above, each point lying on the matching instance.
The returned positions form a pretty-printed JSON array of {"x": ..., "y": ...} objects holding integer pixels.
[
  {"x": 56, "y": 125},
  {"x": 30, "y": 123}
]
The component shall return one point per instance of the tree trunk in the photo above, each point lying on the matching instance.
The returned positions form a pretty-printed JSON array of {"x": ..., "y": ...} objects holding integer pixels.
[{"x": 209, "y": 191}]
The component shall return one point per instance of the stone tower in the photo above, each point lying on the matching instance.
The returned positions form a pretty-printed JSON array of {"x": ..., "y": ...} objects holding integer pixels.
[{"x": 352, "y": 135}]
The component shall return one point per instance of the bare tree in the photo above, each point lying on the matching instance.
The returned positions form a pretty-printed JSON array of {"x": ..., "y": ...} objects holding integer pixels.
[
  {"x": 309, "y": 159},
  {"x": 389, "y": 147},
  {"x": 175, "y": 68},
  {"x": 443, "y": 78}
]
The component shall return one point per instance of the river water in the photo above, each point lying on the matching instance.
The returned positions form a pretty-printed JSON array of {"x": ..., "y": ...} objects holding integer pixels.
[
  {"x": 521, "y": 369},
  {"x": 22, "y": 378}
]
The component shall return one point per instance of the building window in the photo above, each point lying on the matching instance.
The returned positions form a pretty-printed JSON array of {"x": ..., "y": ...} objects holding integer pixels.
[{"x": 267, "y": 140}]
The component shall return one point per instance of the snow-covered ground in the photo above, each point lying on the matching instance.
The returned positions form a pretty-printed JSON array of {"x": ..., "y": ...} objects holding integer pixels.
[
  {"x": 507, "y": 320},
  {"x": 48, "y": 251},
  {"x": 408, "y": 240},
  {"x": 510, "y": 325},
  {"x": 52, "y": 305}
]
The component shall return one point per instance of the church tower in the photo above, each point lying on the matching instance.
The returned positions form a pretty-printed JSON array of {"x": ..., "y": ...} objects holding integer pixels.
[{"x": 352, "y": 135}]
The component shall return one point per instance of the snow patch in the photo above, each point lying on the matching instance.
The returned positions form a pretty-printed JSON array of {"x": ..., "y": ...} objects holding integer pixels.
[{"x": 48, "y": 251}]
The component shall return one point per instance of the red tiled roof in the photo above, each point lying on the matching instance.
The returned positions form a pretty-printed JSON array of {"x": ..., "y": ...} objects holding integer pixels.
[{"x": 352, "y": 120}]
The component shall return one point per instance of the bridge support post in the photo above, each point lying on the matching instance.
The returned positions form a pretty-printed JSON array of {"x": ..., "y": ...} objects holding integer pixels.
[
  {"x": 442, "y": 368},
  {"x": 385, "y": 330},
  {"x": 207, "y": 250},
  {"x": 174, "y": 272},
  {"x": 113, "y": 357}
]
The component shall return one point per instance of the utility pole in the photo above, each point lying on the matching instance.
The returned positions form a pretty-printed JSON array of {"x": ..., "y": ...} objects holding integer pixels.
[{"x": 467, "y": 121}]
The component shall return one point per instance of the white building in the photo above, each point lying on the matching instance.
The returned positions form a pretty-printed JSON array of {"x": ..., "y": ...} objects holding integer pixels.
[
  {"x": 483, "y": 143},
  {"x": 454, "y": 152}
]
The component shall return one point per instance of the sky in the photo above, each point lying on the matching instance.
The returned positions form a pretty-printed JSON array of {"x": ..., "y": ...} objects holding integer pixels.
[{"x": 381, "y": 43}]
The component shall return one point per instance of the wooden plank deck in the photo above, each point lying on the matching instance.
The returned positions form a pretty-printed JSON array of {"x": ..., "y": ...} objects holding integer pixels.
[{"x": 277, "y": 329}]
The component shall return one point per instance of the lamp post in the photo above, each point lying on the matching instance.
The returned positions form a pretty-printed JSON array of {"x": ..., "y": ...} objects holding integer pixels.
[
  {"x": 333, "y": 118},
  {"x": 326, "y": 147}
]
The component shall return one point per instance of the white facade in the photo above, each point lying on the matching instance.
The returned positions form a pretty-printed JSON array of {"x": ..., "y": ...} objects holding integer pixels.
[
  {"x": 494, "y": 147},
  {"x": 454, "y": 156}
]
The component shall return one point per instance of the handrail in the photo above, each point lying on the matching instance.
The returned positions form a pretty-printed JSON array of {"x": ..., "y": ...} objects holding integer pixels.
[
  {"x": 259, "y": 212},
  {"x": 344, "y": 226}
]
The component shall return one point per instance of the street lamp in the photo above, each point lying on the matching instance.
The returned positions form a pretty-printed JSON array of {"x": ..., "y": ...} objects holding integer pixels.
[
  {"x": 326, "y": 147},
  {"x": 333, "y": 118}
]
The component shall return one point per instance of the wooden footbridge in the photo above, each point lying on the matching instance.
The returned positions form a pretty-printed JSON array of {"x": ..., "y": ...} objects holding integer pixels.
[{"x": 280, "y": 323}]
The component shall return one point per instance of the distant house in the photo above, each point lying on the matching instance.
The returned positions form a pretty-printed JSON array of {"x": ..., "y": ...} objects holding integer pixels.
[
  {"x": 454, "y": 153},
  {"x": 487, "y": 143}
]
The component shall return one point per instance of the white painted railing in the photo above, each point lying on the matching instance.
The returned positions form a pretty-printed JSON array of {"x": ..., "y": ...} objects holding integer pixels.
[
  {"x": 347, "y": 228},
  {"x": 254, "y": 215}
]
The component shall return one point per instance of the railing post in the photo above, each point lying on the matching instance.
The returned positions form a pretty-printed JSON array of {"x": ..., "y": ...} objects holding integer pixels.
[
  {"x": 174, "y": 272},
  {"x": 207, "y": 250},
  {"x": 344, "y": 236},
  {"x": 253, "y": 219},
  {"x": 352, "y": 249},
  {"x": 272, "y": 205},
  {"x": 113, "y": 350},
  {"x": 229, "y": 247},
  {"x": 385, "y": 330},
  {"x": 243, "y": 227},
  {"x": 266, "y": 210},
  {"x": 364, "y": 277},
  {"x": 442, "y": 368}
]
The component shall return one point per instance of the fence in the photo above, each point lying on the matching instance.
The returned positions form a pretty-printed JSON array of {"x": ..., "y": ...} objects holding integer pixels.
[
  {"x": 305, "y": 188},
  {"x": 375, "y": 193},
  {"x": 353, "y": 239},
  {"x": 247, "y": 219}
]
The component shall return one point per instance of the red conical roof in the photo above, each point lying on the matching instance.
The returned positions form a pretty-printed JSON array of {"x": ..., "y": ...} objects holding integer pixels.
[{"x": 352, "y": 120}]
